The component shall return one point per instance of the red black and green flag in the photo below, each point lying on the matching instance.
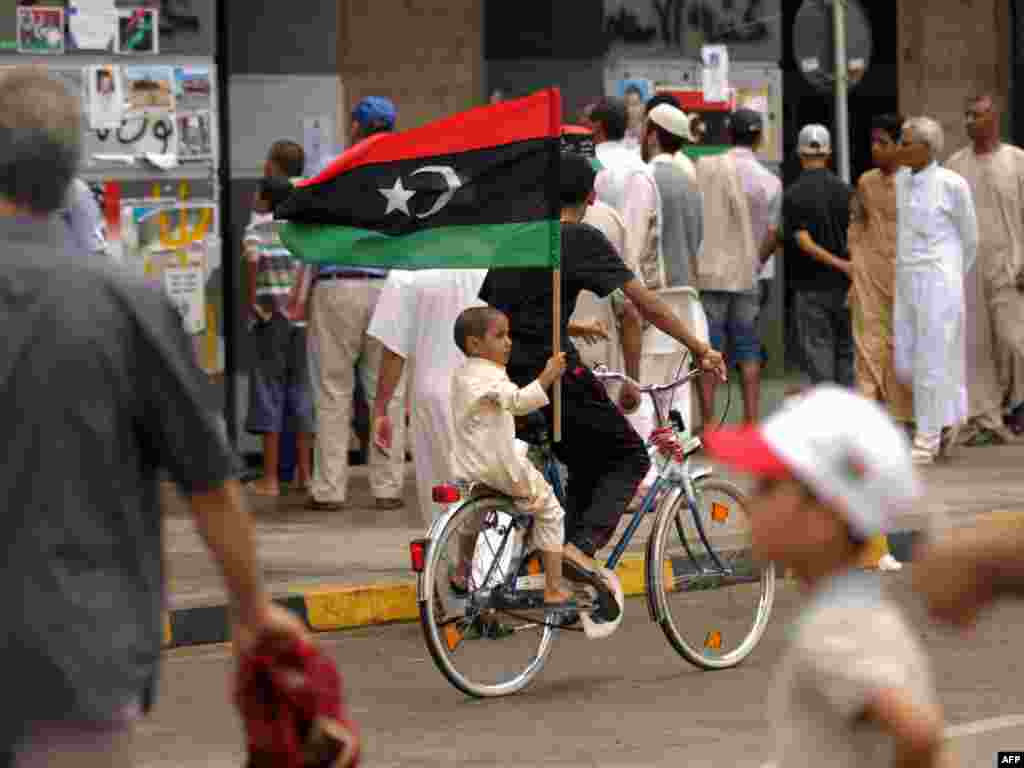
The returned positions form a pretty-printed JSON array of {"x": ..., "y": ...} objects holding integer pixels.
[{"x": 478, "y": 189}]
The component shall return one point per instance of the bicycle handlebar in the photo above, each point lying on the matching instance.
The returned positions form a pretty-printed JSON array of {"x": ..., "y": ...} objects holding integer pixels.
[{"x": 601, "y": 373}]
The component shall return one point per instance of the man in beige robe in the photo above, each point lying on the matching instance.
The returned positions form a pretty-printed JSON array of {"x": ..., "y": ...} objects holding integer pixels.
[{"x": 995, "y": 299}]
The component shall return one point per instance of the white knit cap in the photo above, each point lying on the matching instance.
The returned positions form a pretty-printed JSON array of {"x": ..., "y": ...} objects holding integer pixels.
[{"x": 673, "y": 120}]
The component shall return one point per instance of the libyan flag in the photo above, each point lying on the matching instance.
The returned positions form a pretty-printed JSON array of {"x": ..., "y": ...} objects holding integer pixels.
[{"x": 478, "y": 189}]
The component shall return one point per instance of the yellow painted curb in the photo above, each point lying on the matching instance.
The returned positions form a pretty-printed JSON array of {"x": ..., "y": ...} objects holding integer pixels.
[
  {"x": 631, "y": 574},
  {"x": 331, "y": 608}
]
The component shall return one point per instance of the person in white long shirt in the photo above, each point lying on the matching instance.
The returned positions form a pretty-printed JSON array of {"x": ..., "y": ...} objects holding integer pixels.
[
  {"x": 618, "y": 160},
  {"x": 937, "y": 242},
  {"x": 413, "y": 320},
  {"x": 994, "y": 170}
]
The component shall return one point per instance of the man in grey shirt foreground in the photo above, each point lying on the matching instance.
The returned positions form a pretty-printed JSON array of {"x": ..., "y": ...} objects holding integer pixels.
[{"x": 98, "y": 391}]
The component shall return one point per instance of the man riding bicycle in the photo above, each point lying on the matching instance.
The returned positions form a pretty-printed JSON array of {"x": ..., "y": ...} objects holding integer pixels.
[{"x": 605, "y": 457}]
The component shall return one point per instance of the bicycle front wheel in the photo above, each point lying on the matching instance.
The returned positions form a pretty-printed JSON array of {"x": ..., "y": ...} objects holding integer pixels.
[
  {"x": 711, "y": 598},
  {"x": 482, "y": 651}
]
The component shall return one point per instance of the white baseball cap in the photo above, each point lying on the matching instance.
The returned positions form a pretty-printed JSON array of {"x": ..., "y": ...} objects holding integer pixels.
[
  {"x": 673, "y": 120},
  {"x": 844, "y": 448},
  {"x": 814, "y": 139}
]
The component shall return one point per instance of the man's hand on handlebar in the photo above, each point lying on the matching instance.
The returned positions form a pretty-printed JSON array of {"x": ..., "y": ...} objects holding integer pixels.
[
  {"x": 629, "y": 397},
  {"x": 713, "y": 360}
]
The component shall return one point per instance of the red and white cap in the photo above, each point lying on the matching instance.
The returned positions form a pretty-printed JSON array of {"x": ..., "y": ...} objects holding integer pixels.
[{"x": 843, "y": 447}]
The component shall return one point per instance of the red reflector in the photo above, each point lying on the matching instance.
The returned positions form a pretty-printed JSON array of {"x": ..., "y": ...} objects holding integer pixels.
[
  {"x": 446, "y": 494},
  {"x": 418, "y": 553}
]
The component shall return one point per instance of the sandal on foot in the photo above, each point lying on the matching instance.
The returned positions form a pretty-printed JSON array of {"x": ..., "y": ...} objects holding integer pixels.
[{"x": 576, "y": 572}]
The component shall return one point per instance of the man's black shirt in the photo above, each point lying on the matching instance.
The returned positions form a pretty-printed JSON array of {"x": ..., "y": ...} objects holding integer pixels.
[
  {"x": 589, "y": 262},
  {"x": 819, "y": 202}
]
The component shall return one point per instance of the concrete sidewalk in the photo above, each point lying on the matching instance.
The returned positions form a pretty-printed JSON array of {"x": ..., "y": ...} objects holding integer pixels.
[{"x": 351, "y": 568}]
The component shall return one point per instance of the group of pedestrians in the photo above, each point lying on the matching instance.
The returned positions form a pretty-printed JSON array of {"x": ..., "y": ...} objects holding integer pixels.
[{"x": 100, "y": 385}]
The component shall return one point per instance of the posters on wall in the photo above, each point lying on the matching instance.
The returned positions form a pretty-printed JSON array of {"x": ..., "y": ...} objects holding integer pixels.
[
  {"x": 138, "y": 31},
  {"x": 318, "y": 142},
  {"x": 148, "y": 88},
  {"x": 175, "y": 247},
  {"x": 92, "y": 24},
  {"x": 105, "y": 96},
  {"x": 193, "y": 88},
  {"x": 195, "y": 136},
  {"x": 715, "y": 73},
  {"x": 40, "y": 30}
]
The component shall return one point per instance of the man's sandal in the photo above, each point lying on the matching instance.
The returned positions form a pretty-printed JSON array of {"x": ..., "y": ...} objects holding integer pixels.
[{"x": 608, "y": 609}]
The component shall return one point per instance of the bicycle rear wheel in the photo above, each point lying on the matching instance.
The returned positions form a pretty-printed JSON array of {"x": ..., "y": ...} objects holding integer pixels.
[
  {"x": 482, "y": 651},
  {"x": 712, "y": 600}
]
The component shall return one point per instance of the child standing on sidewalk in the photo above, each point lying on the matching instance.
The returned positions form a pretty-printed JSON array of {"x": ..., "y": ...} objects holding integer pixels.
[
  {"x": 855, "y": 689},
  {"x": 280, "y": 393}
]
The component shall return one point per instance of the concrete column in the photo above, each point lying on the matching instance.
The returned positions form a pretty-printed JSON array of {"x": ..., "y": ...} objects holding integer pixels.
[
  {"x": 949, "y": 51},
  {"x": 426, "y": 55}
]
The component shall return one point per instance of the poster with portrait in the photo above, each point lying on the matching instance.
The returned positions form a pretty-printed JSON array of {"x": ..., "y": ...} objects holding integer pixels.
[
  {"x": 195, "y": 136},
  {"x": 104, "y": 97},
  {"x": 148, "y": 89},
  {"x": 634, "y": 92},
  {"x": 41, "y": 30}
]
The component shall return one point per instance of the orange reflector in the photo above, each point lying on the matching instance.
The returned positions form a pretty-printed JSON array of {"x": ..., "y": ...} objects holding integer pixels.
[
  {"x": 533, "y": 567},
  {"x": 719, "y": 512},
  {"x": 713, "y": 641},
  {"x": 453, "y": 636},
  {"x": 418, "y": 554},
  {"x": 446, "y": 494}
]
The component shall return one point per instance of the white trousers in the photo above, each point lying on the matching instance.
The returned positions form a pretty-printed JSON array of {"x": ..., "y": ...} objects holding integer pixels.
[
  {"x": 930, "y": 350},
  {"x": 431, "y": 446},
  {"x": 340, "y": 314}
]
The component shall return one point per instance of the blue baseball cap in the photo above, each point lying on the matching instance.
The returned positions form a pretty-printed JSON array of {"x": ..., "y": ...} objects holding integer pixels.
[{"x": 375, "y": 109}]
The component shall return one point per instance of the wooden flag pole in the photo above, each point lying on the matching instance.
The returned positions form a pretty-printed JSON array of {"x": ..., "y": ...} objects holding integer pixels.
[{"x": 556, "y": 345}]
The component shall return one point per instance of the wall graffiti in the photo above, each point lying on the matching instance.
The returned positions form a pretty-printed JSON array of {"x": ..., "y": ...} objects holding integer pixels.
[{"x": 678, "y": 23}]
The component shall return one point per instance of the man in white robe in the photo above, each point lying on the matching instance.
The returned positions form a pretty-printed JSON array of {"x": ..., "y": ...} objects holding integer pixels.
[
  {"x": 414, "y": 320},
  {"x": 995, "y": 317},
  {"x": 936, "y": 245}
]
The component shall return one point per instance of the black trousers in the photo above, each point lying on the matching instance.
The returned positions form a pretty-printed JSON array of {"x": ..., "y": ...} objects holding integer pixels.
[{"x": 604, "y": 455}]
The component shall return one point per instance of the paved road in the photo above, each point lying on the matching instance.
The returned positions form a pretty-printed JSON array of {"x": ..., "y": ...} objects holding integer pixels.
[{"x": 626, "y": 701}]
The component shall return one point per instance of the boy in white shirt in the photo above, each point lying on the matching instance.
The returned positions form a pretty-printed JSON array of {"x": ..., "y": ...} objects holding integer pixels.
[
  {"x": 855, "y": 688},
  {"x": 484, "y": 405}
]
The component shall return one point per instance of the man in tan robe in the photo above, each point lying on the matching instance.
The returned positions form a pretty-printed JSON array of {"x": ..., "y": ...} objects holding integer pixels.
[{"x": 995, "y": 300}]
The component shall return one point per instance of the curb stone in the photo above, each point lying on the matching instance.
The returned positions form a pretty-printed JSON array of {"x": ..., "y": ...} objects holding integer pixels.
[{"x": 329, "y": 608}]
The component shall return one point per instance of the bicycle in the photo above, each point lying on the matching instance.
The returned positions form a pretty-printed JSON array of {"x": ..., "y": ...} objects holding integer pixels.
[{"x": 703, "y": 557}]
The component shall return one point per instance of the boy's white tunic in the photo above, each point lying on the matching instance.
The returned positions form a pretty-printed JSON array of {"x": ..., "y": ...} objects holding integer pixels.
[
  {"x": 415, "y": 318},
  {"x": 937, "y": 243},
  {"x": 485, "y": 403}
]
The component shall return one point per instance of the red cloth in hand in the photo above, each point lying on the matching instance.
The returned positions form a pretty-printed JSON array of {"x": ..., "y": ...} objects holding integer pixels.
[{"x": 294, "y": 710}]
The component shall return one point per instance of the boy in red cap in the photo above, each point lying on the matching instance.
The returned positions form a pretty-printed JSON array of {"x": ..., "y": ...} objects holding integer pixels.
[{"x": 855, "y": 685}]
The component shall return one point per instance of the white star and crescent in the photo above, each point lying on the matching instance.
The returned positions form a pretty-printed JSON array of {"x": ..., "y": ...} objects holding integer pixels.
[{"x": 398, "y": 196}]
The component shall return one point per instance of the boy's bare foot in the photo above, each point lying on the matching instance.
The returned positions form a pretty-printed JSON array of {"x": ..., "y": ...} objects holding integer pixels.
[
  {"x": 571, "y": 552},
  {"x": 263, "y": 487}
]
